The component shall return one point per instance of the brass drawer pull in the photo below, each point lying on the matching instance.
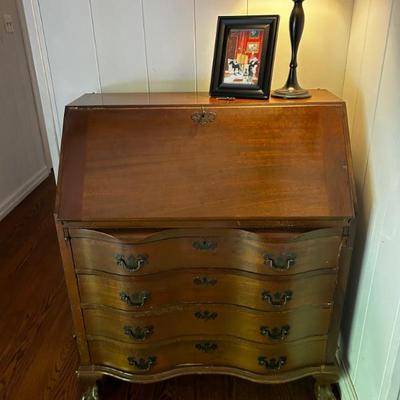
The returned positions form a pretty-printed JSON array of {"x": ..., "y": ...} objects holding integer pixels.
[
  {"x": 206, "y": 347},
  {"x": 278, "y": 298},
  {"x": 136, "y": 299},
  {"x": 275, "y": 333},
  {"x": 281, "y": 263},
  {"x": 272, "y": 363},
  {"x": 206, "y": 315},
  {"x": 138, "y": 333},
  {"x": 131, "y": 263},
  {"x": 204, "y": 281},
  {"x": 203, "y": 117},
  {"x": 205, "y": 245},
  {"x": 141, "y": 363}
]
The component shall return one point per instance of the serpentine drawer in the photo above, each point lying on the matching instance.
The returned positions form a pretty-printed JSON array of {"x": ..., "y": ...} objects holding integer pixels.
[
  {"x": 235, "y": 353},
  {"x": 263, "y": 253},
  {"x": 207, "y": 319},
  {"x": 208, "y": 286}
]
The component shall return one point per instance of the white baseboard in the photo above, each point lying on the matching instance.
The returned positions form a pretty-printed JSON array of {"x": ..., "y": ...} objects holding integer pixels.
[
  {"x": 15, "y": 198},
  {"x": 346, "y": 385}
]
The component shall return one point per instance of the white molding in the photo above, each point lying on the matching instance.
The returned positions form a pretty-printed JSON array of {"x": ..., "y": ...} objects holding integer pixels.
[
  {"x": 41, "y": 70},
  {"x": 34, "y": 84},
  {"x": 15, "y": 198},
  {"x": 347, "y": 389}
]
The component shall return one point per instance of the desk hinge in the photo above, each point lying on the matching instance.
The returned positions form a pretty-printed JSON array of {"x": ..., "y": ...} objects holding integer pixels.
[{"x": 67, "y": 238}]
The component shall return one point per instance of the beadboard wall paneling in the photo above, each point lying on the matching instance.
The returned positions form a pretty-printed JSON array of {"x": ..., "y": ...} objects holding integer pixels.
[
  {"x": 207, "y": 12},
  {"x": 70, "y": 45},
  {"x": 167, "y": 45},
  {"x": 371, "y": 332},
  {"x": 22, "y": 156},
  {"x": 170, "y": 31},
  {"x": 120, "y": 22}
]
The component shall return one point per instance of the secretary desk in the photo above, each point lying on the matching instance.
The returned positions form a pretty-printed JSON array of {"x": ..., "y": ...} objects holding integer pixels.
[{"x": 206, "y": 236}]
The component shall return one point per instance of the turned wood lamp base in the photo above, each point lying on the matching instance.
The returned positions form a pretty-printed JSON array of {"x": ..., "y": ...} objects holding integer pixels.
[
  {"x": 292, "y": 89},
  {"x": 291, "y": 93}
]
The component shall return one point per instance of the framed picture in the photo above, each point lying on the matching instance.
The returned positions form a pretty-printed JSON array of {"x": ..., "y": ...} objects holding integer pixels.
[{"x": 244, "y": 56}]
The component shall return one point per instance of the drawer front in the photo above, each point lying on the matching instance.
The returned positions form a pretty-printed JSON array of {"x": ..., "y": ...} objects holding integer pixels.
[
  {"x": 258, "y": 358},
  {"x": 225, "y": 248},
  {"x": 200, "y": 319},
  {"x": 207, "y": 286}
]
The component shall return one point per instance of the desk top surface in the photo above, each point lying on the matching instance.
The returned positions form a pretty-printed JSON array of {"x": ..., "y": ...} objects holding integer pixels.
[{"x": 141, "y": 160}]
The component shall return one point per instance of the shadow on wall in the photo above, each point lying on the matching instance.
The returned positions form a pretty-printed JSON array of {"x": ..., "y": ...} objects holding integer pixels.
[{"x": 365, "y": 199}]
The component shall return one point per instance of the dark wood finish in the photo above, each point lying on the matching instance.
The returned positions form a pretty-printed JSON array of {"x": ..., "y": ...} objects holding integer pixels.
[
  {"x": 251, "y": 164},
  {"x": 237, "y": 288},
  {"x": 231, "y": 352},
  {"x": 38, "y": 352},
  {"x": 201, "y": 319},
  {"x": 251, "y": 209},
  {"x": 319, "y": 96},
  {"x": 235, "y": 249}
]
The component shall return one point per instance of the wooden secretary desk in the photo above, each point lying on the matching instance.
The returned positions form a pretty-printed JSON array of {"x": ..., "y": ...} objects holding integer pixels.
[{"x": 206, "y": 235}]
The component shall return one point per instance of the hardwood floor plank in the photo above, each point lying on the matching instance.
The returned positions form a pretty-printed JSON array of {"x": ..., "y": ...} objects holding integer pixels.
[{"x": 38, "y": 357}]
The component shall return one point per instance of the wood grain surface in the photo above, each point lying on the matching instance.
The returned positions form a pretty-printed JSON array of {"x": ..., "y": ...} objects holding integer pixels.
[
  {"x": 228, "y": 248},
  {"x": 215, "y": 319},
  {"x": 38, "y": 354},
  {"x": 231, "y": 287},
  {"x": 208, "y": 352},
  {"x": 255, "y": 163}
]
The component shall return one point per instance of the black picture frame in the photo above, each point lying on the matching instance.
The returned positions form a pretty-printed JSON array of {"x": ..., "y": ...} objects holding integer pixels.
[{"x": 258, "y": 87}]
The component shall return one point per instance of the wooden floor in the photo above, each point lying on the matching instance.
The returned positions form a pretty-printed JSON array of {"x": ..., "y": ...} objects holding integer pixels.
[{"x": 37, "y": 353}]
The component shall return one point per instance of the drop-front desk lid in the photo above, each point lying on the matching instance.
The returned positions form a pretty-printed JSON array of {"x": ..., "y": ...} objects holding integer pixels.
[{"x": 150, "y": 160}]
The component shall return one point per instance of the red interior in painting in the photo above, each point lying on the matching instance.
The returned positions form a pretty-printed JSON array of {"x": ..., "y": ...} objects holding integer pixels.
[{"x": 238, "y": 45}]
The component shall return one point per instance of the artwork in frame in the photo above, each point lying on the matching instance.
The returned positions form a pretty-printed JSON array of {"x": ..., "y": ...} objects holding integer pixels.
[{"x": 244, "y": 56}]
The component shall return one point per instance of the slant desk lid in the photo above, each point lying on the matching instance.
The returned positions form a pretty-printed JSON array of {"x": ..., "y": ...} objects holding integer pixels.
[{"x": 140, "y": 157}]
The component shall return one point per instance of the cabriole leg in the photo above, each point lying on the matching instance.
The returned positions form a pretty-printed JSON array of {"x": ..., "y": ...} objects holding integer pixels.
[
  {"x": 323, "y": 391},
  {"x": 89, "y": 385},
  {"x": 92, "y": 393}
]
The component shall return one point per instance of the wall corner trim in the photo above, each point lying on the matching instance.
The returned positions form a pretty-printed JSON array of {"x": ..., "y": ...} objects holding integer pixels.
[
  {"x": 347, "y": 388},
  {"x": 15, "y": 198}
]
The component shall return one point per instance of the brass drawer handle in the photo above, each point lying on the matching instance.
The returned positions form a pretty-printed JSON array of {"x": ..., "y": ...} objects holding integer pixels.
[
  {"x": 141, "y": 363},
  {"x": 205, "y": 245},
  {"x": 131, "y": 263},
  {"x": 281, "y": 263},
  {"x": 138, "y": 333},
  {"x": 204, "y": 281},
  {"x": 275, "y": 333},
  {"x": 206, "y": 315},
  {"x": 203, "y": 117},
  {"x": 206, "y": 347},
  {"x": 272, "y": 363},
  {"x": 136, "y": 299},
  {"x": 278, "y": 298}
]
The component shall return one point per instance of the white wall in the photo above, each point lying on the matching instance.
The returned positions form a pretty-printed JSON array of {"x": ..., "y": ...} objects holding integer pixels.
[
  {"x": 165, "y": 45},
  {"x": 371, "y": 333},
  {"x": 22, "y": 155}
]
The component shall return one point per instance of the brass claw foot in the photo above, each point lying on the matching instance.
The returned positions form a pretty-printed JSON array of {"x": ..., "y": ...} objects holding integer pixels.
[
  {"x": 91, "y": 394},
  {"x": 323, "y": 391}
]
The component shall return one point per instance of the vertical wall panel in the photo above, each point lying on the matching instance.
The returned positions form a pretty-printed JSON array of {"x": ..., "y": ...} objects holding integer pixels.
[
  {"x": 169, "y": 30},
  {"x": 384, "y": 167},
  {"x": 373, "y": 93},
  {"x": 323, "y": 51},
  {"x": 70, "y": 44},
  {"x": 370, "y": 74},
  {"x": 118, "y": 27},
  {"x": 207, "y": 12},
  {"x": 22, "y": 158}
]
